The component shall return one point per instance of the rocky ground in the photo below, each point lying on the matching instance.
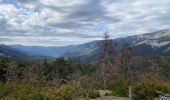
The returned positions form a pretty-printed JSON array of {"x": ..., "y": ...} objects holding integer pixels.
[{"x": 103, "y": 97}]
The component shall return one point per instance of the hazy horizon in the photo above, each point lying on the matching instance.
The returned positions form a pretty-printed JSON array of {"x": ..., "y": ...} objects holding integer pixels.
[{"x": 72, "y": 44}]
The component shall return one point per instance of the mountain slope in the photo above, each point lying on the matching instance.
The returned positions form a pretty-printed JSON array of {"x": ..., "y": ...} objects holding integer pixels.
[
  {"x": 6, "y": 51},
  {"x": 156, "y": 43}
]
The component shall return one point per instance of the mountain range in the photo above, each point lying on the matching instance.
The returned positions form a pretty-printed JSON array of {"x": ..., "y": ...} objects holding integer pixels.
[
  {"x": 7, "y": 51},
  {"x": 155, "y": 43}
]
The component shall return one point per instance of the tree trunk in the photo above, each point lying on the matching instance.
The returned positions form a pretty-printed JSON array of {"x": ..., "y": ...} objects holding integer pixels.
[
  {"x": 104, "y": 83},
  {"x": 130, "y": 93}
]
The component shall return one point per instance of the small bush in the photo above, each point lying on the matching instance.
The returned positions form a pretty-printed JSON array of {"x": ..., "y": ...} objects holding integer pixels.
[
  {"x": 96, "y": 85},
  {"x": 93, "y": 94},
  {"x": 69, "y": 92},
  {"x": 90, "y": 88},
  {"x": 146, "y": 89},
  {"x": 119, "y": 87},
  {"x": 20, "y": 91}
]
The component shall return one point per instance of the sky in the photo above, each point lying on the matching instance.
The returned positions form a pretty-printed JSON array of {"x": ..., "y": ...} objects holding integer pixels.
[{"x": 71, "y": 22}]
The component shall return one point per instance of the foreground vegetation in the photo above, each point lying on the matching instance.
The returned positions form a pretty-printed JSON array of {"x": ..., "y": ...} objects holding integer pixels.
[{"x": 30, "y": 80}]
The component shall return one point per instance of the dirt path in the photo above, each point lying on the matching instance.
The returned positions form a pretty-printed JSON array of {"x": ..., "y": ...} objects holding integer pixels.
[{"x": 110, "y": 98}]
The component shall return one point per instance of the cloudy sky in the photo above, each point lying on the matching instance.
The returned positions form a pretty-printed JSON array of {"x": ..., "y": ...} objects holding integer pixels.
[{"x": 67, "y": 22}]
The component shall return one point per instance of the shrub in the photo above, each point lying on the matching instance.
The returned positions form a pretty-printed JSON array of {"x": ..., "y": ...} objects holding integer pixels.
[
  {"x": 96, "y": 85},
  {"x": 68, "y": 92},
  {"x": 20, "y": 91},
  {"x": 36, "y": 91},
  {"x": 119, "y": 87},
  {"x": 146, "y": 89},
  {"x": 90, "y": 88},
  {"x": 93, "y": 94}
]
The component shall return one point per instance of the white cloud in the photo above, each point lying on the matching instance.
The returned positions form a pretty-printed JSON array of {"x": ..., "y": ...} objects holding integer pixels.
[{"x": 79, "y": 21}]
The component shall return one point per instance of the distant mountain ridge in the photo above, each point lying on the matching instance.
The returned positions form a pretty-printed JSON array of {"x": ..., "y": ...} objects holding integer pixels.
[
  {"x": 155, "y": 43},
  {"x": 43, "y": 51},
  {"x": 18, "y": 54},
  {"x": 7, "y": 51}
]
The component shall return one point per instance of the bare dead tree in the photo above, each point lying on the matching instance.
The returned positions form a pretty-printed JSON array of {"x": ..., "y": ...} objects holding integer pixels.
[
  {"x": 106, "y": 68},
  {"x": 128, "y": 65}
]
